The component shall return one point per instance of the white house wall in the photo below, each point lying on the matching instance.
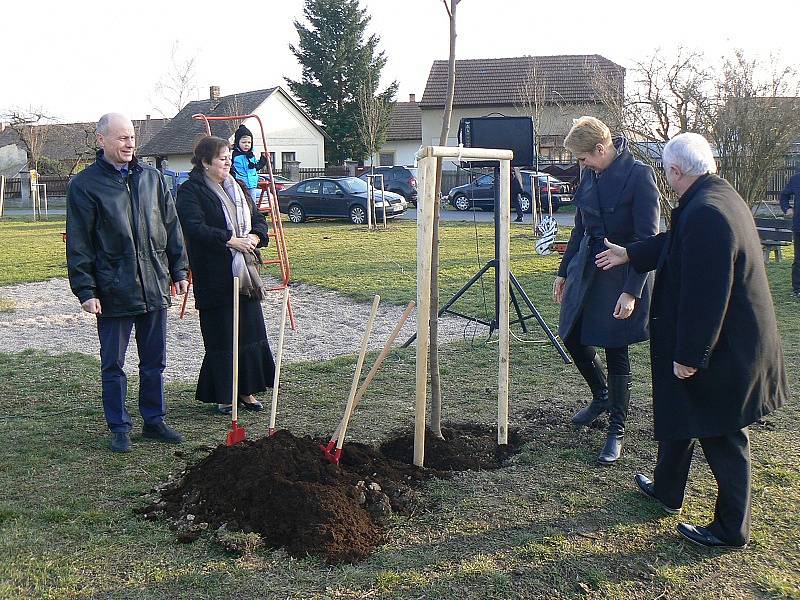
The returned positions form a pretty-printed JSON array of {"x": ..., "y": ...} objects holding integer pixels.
[
  {"x": 287, "y": 130},
  {"x": 180, "y": 162},
  {"x": 404, "y": 151}
]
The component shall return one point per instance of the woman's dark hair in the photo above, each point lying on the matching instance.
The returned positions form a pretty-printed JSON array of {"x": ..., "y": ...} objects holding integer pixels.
[{"x": 207, "y": 149}]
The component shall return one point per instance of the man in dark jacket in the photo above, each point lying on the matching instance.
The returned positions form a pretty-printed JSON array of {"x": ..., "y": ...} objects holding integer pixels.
[
  {"x": 124, "y": 246},
  {"x": 717, "y": 360},
  {"x": 789, "y": 197}
]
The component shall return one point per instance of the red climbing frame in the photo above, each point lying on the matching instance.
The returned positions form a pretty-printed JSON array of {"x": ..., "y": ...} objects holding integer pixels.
[{"x": 268, "y": 206}]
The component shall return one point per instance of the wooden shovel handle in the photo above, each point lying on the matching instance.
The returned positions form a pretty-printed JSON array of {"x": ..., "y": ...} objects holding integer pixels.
[
  {"x": 276, "y": 382},
  {"x": 364, "y": 343},
  {"x": 235, "y": 348},
  {"x": 378, "y": 362}
]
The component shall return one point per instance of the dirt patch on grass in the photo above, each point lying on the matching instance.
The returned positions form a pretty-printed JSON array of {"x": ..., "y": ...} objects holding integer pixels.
[
  {"x": 465, "y": 447},
  {"x": 282, "y": 488}
]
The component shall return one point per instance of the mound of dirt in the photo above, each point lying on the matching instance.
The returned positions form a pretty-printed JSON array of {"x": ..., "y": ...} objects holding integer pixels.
[
  {"x": 282, "y": 488},
  {"x": 464, "y": 447}
]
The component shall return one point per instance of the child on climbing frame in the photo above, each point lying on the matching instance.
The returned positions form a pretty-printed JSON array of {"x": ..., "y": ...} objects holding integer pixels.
[{"x": 245, "y": 167}]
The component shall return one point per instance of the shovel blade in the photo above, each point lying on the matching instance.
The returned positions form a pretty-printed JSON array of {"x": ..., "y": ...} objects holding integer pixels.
[{"x": 235, "y": 435}]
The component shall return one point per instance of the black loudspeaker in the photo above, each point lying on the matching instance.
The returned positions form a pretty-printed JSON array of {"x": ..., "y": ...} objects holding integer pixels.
[{"x": 506, "y": 133}]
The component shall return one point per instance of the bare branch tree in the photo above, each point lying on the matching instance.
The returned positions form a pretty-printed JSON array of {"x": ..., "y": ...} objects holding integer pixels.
[
  {"x": 33, "y": 129},
  {"x": 374, "y": 112},
  {"x": 178, "y": 85},
  {"x": 753, "y": 118}
]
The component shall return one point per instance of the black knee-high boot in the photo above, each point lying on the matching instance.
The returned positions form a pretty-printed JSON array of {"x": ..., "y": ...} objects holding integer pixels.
[
  {"x": 619, "y": 396},
  {"x": 592, "y": 372}
]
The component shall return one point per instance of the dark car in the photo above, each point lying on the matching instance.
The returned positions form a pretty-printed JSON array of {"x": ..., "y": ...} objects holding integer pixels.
[
  {"x": 480, "y": 192},
  {"x": 344, "y": 197},
  {"x": 400, "y": 180}
]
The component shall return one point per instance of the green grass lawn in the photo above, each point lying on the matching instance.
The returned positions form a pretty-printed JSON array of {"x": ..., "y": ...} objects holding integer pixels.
[{"x": 551, "y": 524}]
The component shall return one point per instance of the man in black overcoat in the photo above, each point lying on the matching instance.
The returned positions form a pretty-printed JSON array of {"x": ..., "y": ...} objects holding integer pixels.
[{"x": 716, "y": 355}]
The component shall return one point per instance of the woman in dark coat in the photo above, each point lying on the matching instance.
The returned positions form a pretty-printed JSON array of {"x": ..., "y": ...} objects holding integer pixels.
[
  {"x": 716, "y": 355},
  {"x": 617, "y": 198},
  {"x": 222, "y": 228}
]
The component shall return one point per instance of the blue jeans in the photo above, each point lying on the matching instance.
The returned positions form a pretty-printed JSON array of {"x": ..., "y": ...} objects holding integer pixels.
[{"x": 151, "y": 343}]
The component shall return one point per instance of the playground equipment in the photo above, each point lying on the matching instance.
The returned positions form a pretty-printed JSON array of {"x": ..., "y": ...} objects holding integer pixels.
[{"x": 270, "y": 209}]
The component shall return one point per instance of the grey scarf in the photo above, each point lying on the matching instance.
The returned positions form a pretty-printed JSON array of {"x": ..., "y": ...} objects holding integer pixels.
[{"x": 237, "y": 217}]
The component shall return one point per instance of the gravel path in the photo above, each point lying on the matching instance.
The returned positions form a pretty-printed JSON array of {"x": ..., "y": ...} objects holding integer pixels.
[{"x": 48, "y": 317}]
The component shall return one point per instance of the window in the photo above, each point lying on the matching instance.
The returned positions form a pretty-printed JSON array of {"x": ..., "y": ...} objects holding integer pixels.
[
  {"x": 329, "y": 188},
  {"x": 272, "y": 159},
  {"x": 310, "y": 187},
  {"x": 386, "y": 158},
  {"x": 286, "y": 156}
]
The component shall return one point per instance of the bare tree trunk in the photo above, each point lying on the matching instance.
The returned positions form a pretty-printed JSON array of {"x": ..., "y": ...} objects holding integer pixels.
[{"x": 436, "y": 383}]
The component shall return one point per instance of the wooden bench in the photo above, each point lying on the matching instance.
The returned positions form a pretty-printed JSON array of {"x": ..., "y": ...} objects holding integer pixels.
[{"x": 774, "y": 234}]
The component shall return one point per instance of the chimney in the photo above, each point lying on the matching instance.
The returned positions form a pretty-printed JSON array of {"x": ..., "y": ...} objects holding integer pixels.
[
  {"x": 412, "y": 97},
  {"x": 213, "y": 93},
  {"x": 147, "y": 117}
]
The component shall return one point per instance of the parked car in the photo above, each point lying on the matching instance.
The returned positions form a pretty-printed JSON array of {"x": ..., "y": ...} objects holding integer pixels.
[
  {"x": 400, "y": 180},
  {"x": 280, "y": 182},
  {"x": 344, "y": 197},
  {"x": 480, "y": 192}
]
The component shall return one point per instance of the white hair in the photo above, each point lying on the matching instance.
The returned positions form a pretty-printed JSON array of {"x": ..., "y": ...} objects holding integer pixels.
[{"x": 691, "y": 153}]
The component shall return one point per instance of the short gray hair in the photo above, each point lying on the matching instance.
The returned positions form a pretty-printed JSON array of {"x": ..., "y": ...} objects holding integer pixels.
[
  {"x": 105, "y": 122},
  {"x": 691, "y": 153}
]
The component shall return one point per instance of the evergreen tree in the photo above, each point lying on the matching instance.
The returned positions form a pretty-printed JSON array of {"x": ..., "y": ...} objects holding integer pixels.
[{"x": 337, "y": 64}]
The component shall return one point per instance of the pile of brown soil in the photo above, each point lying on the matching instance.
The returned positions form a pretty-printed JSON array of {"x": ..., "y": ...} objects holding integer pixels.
[
  {"x": 464, "y": 447},
  {"x": 282, "y": 489}
]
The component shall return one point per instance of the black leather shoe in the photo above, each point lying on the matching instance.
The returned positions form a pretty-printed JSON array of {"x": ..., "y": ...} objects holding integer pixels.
[
  {"x": 518, "y": 220},
  {"x": 120, "y": 441},
  {"x": 162, "y": 432},
  {"x": 645, "y": 486},
  {"x": 254, "y": 406},
  {"x": 703, "y": 537}
]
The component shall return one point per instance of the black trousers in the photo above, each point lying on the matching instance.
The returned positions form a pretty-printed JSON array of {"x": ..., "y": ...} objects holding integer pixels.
[
  {"x": 728, "y": 457},
  {"x": 796, "y": 263},
  {"x": 617, "y": 359}
]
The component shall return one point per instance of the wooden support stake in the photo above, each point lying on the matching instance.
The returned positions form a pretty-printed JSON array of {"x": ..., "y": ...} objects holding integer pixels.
[
  {"x": 427, "y": 196},
  {"x": 504, "y": 238}
]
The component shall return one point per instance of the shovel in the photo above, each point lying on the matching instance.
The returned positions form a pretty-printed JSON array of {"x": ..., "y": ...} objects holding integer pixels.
[
  {"x": 236, "y": 434},
  {"x": 342, "y": 428},
  {"x": 327, "y": 450},
  {"x": 277, "y": 380}
]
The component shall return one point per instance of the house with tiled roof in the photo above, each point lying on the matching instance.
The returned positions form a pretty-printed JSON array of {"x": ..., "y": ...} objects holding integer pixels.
[
  {"x": 68, "y": 147},
  {"x": 292, "y": 135},
  {"x": 404, "y": 135},
  {"x": 552, "y": 89}
]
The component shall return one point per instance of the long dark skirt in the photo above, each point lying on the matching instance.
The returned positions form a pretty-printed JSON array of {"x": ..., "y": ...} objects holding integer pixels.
[{"x": 256, "y": 365}]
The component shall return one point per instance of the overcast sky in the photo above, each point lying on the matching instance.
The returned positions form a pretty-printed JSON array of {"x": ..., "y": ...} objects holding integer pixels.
[{"x": 78, "y": 60}]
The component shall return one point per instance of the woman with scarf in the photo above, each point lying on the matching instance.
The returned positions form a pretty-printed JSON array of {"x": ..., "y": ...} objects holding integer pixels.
[
  {"x": 222, "y": 229},
  {"x": 618, "y": 199}
]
